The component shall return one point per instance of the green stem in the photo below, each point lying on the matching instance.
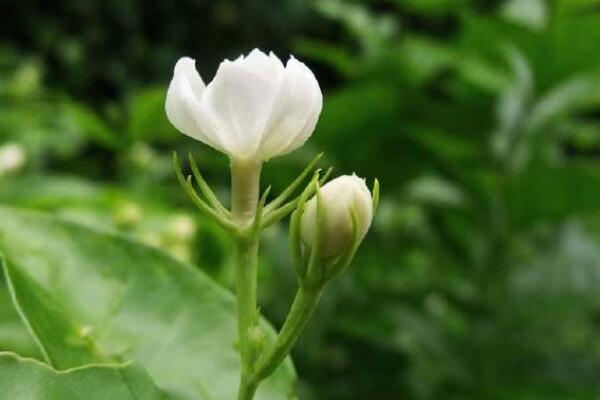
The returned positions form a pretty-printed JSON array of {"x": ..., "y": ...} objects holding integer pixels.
[
  {"x": 245, "y": 179},
  {"x": 302, "y": 309},
  {"x": 246, "y": 293},
  {"x": 247, "y": 389}
]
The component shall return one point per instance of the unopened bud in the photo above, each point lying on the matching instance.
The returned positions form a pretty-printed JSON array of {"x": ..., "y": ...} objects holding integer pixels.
[
  {"x": 12, "y": 157},
  {"x": 340, "y": 198}
]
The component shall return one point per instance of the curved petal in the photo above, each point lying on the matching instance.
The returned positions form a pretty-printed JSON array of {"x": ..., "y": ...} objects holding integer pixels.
[
  {"x": 187, "y": 68},
  {"x": 269, "y": 66},
  {"x": 296, "y": 111},
  {"x": 239, "y": 102},
  {"x": 183, "y": 106},
  {"x": 311, "y": 121}
]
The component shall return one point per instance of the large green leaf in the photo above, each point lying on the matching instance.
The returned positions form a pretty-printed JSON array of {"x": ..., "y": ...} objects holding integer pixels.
[
  {"x": 28, "y": 379},
  {"x": 13, "y": 334},
  {"x": 62, "y": 343},
  {"x": 127, "y": 301}
]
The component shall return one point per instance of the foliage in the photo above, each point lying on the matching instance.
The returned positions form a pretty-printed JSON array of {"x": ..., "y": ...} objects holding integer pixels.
[
  {"x": 27, "y": 378},
  {"x": 84, "y": 298}
]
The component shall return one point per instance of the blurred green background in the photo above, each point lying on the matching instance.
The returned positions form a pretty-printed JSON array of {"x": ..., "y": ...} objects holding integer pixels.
[{"x": 480, "y": 277}]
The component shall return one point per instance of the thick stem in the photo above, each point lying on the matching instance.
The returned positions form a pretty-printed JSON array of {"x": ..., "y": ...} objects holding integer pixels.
[
  {"x": 245, "y": 179},
  {"x": 302, "y": 309},
  {"x": 246, "y": 294},
  {"x": 247, "y": 389}
]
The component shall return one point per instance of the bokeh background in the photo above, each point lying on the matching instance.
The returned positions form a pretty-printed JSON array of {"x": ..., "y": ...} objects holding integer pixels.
[{"x": 480, "y": 278}]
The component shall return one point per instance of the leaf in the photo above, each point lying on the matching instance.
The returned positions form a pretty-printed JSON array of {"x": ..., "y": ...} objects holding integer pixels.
[
  {"x": 435, "y": 191},
  {"x": 13, "y": 334},
  {"x": 28, "y": 379},
  {"x": 147, "y": 116},
  {"x": 329, "y": 53},
  {"x": 52, "y": 191},
  {"x": 372, "y": 31},
  {"x": 540, "y": 193},
  {"x": 513, "y": 106},
  {"x": 63, "y": 344},
  {"x": 432, "y": 7},
  {"x": 92, "y": 125},
  {"x": 133, "y": 303},
  {"x": 532, "y": 14},
  {"x": 566, "y": 272},
  {"x": 576, "y": 93}
]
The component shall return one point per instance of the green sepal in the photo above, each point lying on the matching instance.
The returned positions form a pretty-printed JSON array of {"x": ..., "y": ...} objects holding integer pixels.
[
  {"x": 206, "y": 190},
  {"x": 256, "y": 224},
  {"x": 343, "y": 262},
  {"x": 187, "y": 186},
  {"x": 279, "y": 200},
  {"x": 375, "y": 196},
  {"x": 295, "y": 230},
  {"x": 275, "y": 215},
  {"x": 314, "y": 269}
]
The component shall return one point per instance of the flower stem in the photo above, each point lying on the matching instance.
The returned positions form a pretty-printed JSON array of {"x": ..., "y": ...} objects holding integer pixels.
[
  {"x": 247, "y": 389},
  {"x": 246, "y": 293},
  {"x": 304, "y": 305},
  {"x": 245, "y": 179}
]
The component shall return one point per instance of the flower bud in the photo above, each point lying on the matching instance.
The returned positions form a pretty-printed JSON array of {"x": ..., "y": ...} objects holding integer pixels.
[
  {"x": 12, "y": 157},
  {"x": 255, "y": 108},
  {"x": 339, "y": 198}
]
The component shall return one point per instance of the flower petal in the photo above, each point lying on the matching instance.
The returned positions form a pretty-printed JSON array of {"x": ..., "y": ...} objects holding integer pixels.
[
  {"x": 295, "y": 113},
  {"x": 269, "y": 66},
  {"x": 187, "y": 67},
  {"x": 239, "y": 102},
  {"x": 183, "y": 104}
]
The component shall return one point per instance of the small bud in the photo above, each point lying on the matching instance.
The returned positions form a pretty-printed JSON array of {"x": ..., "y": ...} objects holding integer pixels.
[
  {"x": 128, "y": 214},
  {"x": 182, "y": 228},
  {"x": 257, "y": 340},
  {"x": 339, "y": 198},
  {"x": 12, "y": 158}
]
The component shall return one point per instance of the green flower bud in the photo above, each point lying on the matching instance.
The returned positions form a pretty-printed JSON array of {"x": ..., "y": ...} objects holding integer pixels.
[{"x": 340, "y": 199}]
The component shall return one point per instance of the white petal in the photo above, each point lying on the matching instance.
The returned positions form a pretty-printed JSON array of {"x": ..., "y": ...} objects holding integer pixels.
[
  {"x": 239, "y": 101},
  {"x": 295, "y": 112},
  {"x": 187, "y": 67},
  {"x": 311, "y": 121},
  {"x": 183, "y": 105},
  {"x": 268, "y": 66}
]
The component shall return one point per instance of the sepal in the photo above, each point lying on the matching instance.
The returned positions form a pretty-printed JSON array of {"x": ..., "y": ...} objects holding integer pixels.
[
  {"x": 222, "y": 218},
  {"x": 279, "y": 209}
]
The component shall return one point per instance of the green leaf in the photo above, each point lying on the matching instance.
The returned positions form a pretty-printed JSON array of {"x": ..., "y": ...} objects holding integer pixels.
[
  {"x": 92, "y": 125},
  {"x": 532, "y": 14},
  {"x": 432, "y": 7},
  {"x": 13, "y": 334},
  {"x": 434, "y": 190},
  {"x": 63, "y": 344},
  {"x": 372, "y": 31},
  {"x": 131, "y": 301},
  {"x": 540, "y": 193},
  {"x": 147, "y": 116},
  {"x": 575, "y": 94},
  {"x": 28, "y": 379}
]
